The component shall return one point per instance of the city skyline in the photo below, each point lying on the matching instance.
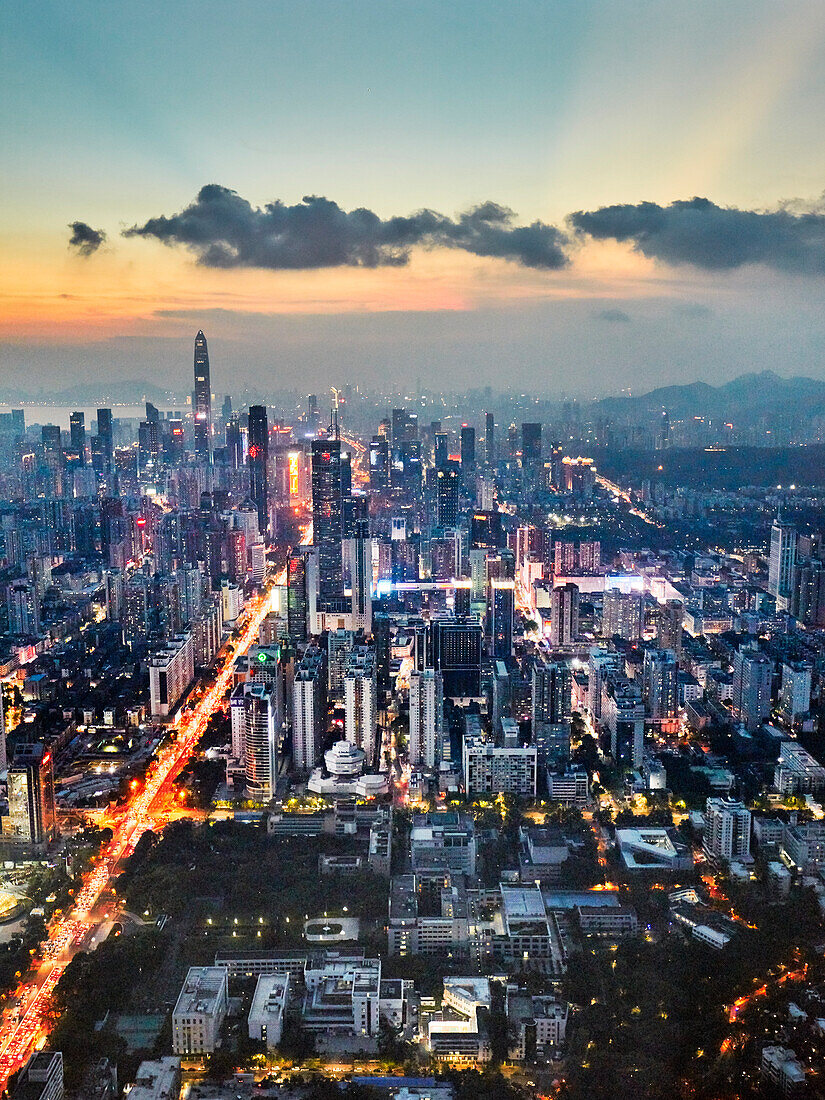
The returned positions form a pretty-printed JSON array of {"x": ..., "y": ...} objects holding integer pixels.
[{"x": 596, "y": 125}]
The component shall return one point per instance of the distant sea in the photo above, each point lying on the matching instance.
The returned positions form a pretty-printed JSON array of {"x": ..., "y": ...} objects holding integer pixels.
[{"x": 59, "y": 414}]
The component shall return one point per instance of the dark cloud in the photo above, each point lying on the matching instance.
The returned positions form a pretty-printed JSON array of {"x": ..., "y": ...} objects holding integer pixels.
[
  {"x": 224, "y": 230},
  {"x": 85, "y": 239},
  {"x": 614, "y": 316},
  {"x": 697, "y": 231}
]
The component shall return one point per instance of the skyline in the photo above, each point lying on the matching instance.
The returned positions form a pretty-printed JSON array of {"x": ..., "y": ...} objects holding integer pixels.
[{"x": 560, "y": 115}]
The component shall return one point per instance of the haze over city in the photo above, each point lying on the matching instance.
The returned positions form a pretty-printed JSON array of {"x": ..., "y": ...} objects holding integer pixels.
[{"x": 412, "y": 550}]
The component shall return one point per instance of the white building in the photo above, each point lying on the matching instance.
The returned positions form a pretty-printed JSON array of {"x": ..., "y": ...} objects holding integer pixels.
[
  {"x": 343, "y": 994},
  {"x": 782, "y": 562},
  {"x": 42, "y": 1077},
  {"x": 544, "y": 1015},
  {"x": 171, "y": 671},
  {"x": 795, "y": 695},
  {"x": 727, "y": 829},
  {"x": 653, "y": 849},
  {"x": 200, "y": 1010},
  {"x": 426, "y": 717},
  {"x": 266, "y": 1016},
  {"x": 232, "y": 601},
  {"x": 796, "y": 771},
  {"x": 489, "y": 769},
  {"x": 460, "y": 1035},
  {"x": 308, "y": 716},
  {"x": 781, "y": 1066},
  {"x": 564, "y": 614},
  {"x": 361, "y": 702},
  {"x": 156, "y": 1080}
]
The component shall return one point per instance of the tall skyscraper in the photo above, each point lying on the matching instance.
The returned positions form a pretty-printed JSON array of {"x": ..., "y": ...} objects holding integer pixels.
[
  {"x": 327, "y": 518},
  {"x": 31, "y": 817},
  {"x": 782, "y": 562},
  {"x": 447, "y": 484},
  {"x": 379, "y": 464},
  {"x": 257, "y": 459},
  {"x": 622, "y": 615},
  {"x": 202, "y": 401},
  {"x": 361, "y": 702},
  {"x": 358, "y": 550},
  {"x": 727, "y": 832},
  {"x": 77, "y": 435},
  {"x": 308, "y": 714},
  {"x": 105, "y": 436},
  {"x": 531, "y": 446},
  {"x": 490, "y": 439},
  {"x": 454, "y": 649},
  {"x": 752, "y": 676},
  {"x": 661, "y": 684}
]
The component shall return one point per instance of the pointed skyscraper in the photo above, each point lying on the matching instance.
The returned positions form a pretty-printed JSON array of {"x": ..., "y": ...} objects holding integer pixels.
[{"x": 202, "y": 401}]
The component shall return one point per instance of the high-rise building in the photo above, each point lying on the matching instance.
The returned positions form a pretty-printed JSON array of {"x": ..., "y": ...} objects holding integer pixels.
[
  {"x": 564, "y": 614},
  {"x": 105, "y": 436},
  {"x": 782, "y": 562},
  {"x": 308, "y": 712},
  {"x": 490, "y": 439},
  {"x": 552, "y": 693},
  {"x": 426, "y": 717},
  {"x": 669, "y": 626},
  {"x": 795, "y": 696},
  {"x": 300, "y": 591},
  {"x": 171, "y": 671},
  {"x": 727, "y": 833},
  {"x": 661, "y": 684},
  {"x": 202, "y": 401},
  {"x": 623, "y": 712},
  {"x": 23, "y": 605},
  {"x": 808, "y": 592},
  {"x": 257, "y": 459},
  {"x": 454, "y": 649},
  {"x": 31, "y": 818},
  {"x": 379, "y": 454},
  {"x": 501, "y": 602},
  {"x": 339, "y": 646},
  {"x": 327, "y": 518},
  {"x": 622, "y": 615},
  {"x": 361, "y": 702},
  {"x": 358, "y": 551},
  {"x": 752, "y": 674},
  {"x": 41, "y": 1078},
  {"x": 441, "y": 449},
  {"x": 261, "y": 737},
  {"x": 234, "y": 443},
  {"x": 77, "y": 436},
  {"x": 531, "y": 446},
  {"x": 381, "y": 633},
  {"x": 448, "y": 484}
]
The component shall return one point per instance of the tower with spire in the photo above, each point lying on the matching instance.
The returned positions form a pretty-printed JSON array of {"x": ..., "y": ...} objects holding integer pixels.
[{"x": 202, "y": 401}]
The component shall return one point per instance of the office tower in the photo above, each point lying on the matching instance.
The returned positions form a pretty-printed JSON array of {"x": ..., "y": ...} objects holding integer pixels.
[
  {"x": 404, "y": 427},
  {"x": 358, "y": 551},
  {"x": 379, "y": 453},
  {"x": 727, "y": 832},
  {"x": 447, "y": 486},
  {"x": 202, "y": 401},
  {"x": 148, "y": 443},
  {"x": 361, "y": 702},
  {"x": 299, "y": 592},
  {"x": 257, "y": 459},
  {"x": 77, "y": 435},
  {"x": 622, "y": 615},
  {"x": 564, "y": 614},
  {"x": 468, "y": 447},
  {"x": 752, "y": 674},
  {"x": 552, "y": 693},
  {"x": 173, "y": 441},
  {"x": 445, "y": 556},
  {"x": 23, "y": 604},
  {"x": 327, "y": 515},
  {"x": 426, "y": 717},
  {"x": 441, "y": 449},
  {"x": 52, "y": 459},
  {"x": 488, "y": 769},
  {"x": 490, "y": 439},
  {"x": 31, "y": 817},
  {"x": 795, "y": 696},
  {"x": 661, "y": 684},
  {"x": 234, "y": 444},
  {"x": 531, "y": 446},
  {"x": 261, "y": 738},
  {"x": 454, "y": 649},
  {"x": 136, "y": 608},
  {"x": 501, "y": 572},
  {"x": 308, "y": 714},
  {"x": 782, "y": 562},
  {"x": 381, "y": 633},
  {"x": 105, "y": 436},
  {"x": 486, "y": 531},
  {"x": 41, "y": 1078}
]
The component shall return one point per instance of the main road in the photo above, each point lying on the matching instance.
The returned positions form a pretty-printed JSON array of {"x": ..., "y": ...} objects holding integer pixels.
[{"x": 149, "y": 808}]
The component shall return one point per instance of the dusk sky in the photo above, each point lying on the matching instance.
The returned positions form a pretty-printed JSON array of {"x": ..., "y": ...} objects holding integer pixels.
[{"x": 595, "y": 124}]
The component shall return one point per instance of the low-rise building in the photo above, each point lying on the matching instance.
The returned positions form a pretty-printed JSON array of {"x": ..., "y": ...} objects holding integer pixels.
[
  {"x": 537, "y": 1025},
  {"x": 444, "y": 840},
  {"x": 460, "y": 1033},
  {"x": 653, "y": 849},
  {"x": 797, "y": 772},
  {"x": 269, "y": 1003},
  {"x": 490, "y": 769},
  {"x": 156, "y": 1080},
  {"x": 608, "y": 920},
  {"x": 803, "y": 846},
  {"x": 781, "y": 1067},
  {"x": 200, "y": 1010},
  {"x": 570, "y": 787}
]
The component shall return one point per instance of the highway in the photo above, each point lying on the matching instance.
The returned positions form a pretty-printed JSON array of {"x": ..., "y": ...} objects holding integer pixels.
[{"x": 149, "y": 808}]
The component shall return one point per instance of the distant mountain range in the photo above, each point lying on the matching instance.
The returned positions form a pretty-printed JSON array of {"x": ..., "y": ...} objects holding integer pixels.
[
  {"x": 750, "y": 397},
  {"x": 129, "y": 392}
]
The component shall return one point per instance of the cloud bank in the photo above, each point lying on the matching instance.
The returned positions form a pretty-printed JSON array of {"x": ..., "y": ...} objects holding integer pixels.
[
  {"x": 85, "y": 239},
  {"x": 716, "y": 238},
  {"x": 224, "y": 230}
]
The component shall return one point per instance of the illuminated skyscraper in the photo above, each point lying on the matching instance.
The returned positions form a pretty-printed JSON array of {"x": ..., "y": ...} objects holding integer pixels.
[
  {"x": 257, "y": 459},
  {"x": 202, "y": 403},
  {"x": 327, "y": 515}
]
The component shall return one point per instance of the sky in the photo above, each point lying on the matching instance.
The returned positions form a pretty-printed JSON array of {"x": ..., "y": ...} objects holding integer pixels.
[{"x": 259, "y": 169}]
